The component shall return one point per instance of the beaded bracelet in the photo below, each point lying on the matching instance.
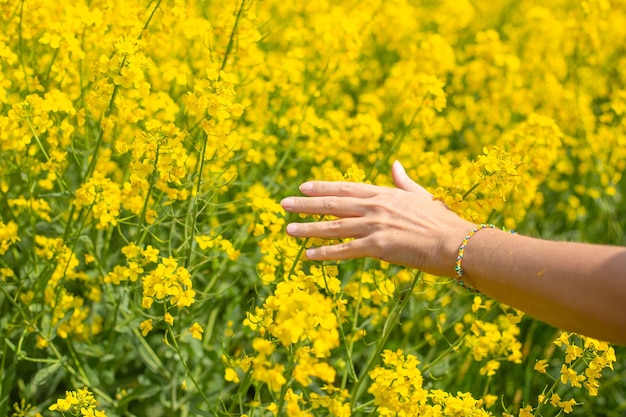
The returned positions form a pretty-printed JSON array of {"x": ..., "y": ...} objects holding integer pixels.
[{"x": 458, "y": 268}]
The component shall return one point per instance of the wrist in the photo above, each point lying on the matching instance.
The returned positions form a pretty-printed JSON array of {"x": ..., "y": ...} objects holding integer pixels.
[
  {"x": 451, "y": 246},
  {"x": 459, "y": 272}
]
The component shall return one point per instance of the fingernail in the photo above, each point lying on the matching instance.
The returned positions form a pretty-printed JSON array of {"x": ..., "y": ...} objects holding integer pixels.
[
  {"x": 292, "y": 228},
  {"x": 399, "y": 165},
  {"x": 310, "y": 253},
  {"x": 287, "y": 203},
  {"x": 307, "y": 186}
]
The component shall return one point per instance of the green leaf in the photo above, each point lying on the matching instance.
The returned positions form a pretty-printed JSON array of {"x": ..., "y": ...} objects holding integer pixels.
[
  {"x": 8, "y": 377},
  {"x": 47, "y": 372},
  {"x": 142, "y": 392}
]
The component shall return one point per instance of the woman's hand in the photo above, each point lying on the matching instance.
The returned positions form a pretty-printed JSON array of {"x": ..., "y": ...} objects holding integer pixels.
[
  {"x": 578, "y": 287},
  {"x": 402, "y": 225}
]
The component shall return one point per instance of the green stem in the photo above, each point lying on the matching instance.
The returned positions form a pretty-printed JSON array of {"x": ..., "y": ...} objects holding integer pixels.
[
  {"x": 145, "y": 27},
  {"x": 77, "y": 363},
  {"x": 286, "y": 155},
  {"x": 297, "y": 258},
  {"x": 231, "y": 40},
  {"x": 92, "y": 163},
  {"x": 390, "y": 324},
  {"x": 157, "y": 364},
  {"x": 54, "y": 57},
  {"x": 21, "y": 44},
  {"x": 59, "y": 179},
  {"x": 36, "y": 136},
  {"x": 294, "y": 139},
  {"x": 69, "y": 369},
  {"x": 101, "y": 394},
  {"x": 195, "y": 199},
  {"x": 395, "y": 145},
  {"x": 552, "y": 388},
  {"x": 445, "y": 353},
  {"x": 186, "y": 366},
  {"x": 287, "y": 385},
  {"x": 349, "y": 345},
  {"x": 142, "y": 219},
  {"x": 194, "y": 202},
  {"x": 468, "y": 192}
]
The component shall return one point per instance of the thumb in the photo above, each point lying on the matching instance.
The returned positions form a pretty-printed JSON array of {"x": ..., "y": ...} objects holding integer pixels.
[{"x": 402, "y": 180}]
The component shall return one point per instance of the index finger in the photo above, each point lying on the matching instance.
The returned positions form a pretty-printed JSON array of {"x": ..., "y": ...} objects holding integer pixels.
[{"x": 339, "y": 189}]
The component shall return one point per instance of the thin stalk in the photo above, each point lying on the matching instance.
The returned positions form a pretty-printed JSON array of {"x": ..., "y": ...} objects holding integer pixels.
[
  {"x": 294, "y": 139},
  {"x": 194, "y": 201},
  {"x": 195, "y": 198},
  {"x": 289, "y": 371},
  {"x": 348, "y": 344},
  {"x": 186, "y": 366},
  {"x": 445, "y": 353},
  {"x": 551, "y": 389},
  {"x": 92, "y": 164},
  {"x": 145, "y": 27},
  {"x": 54, "y": 57},
  {"x": 390, "y": 324},
  {"x": 101, "y": 394},
  {"x": 231, "y": 40},
  {"x": 142, "y": 219},
  {"x": 60, "y": 358},
  {"x": 60, "y": 179},
  {"x": 77, "y": 363},
  {"x": 21, "y": 43}
]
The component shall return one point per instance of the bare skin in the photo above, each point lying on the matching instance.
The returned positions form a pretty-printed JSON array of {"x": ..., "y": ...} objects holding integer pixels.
[{"x": 574, "y": 286}]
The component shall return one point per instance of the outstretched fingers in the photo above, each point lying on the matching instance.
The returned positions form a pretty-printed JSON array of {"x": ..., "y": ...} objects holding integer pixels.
[
  {"x": 357, "y": 248},
  {"x": 332, "y": 229},
  {"x": 339, "y": 189},
  {"x": 326, "y": 205}
]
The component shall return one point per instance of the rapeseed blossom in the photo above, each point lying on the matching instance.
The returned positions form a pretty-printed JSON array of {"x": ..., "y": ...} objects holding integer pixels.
[
  {"x": 8, "y": 236},
  {"x": 80, "y": 402},
  {"x": 144, "y": 152},
  {"x": 398, "y": 390},
  {"x": 103, "y": 197},
  {"x": 168, "y": 281}
]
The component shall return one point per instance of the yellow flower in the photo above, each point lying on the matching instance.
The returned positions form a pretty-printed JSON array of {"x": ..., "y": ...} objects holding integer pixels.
[
  {"x": 567, "y": 406},
  {"x": 196, "y": 331},
  {"x": 8, "y": 236},
  {"x": 541, "y": 365},
  {"x": 81, "y": 401},
  {"x": 231, "y": 375},
  {"x": 146, "y": 327},
  {"x": 526, "y": 411},
  {"x": 490, "y": 368},
  {"x": 573, "y": 352},
  {"x": 41, "y": 342},
  {"x": 263, "y": 347},
  {"x": 168, "y": 281},
  {"x": 490, "y": 400},
  {"x": 103, "y": 197},
  {"x": 570, "y": 375}
]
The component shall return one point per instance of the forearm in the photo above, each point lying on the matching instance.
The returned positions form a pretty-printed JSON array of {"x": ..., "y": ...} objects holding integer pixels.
[{"x": 574, "y": 286}]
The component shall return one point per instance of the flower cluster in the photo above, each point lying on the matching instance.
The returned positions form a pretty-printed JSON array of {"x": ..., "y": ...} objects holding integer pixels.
[
  {"x": 398, "y": 390},
  {"x": 584, "y": 360},
  {"x": 79, "y": 403},
  {"x": 144, "y": 150},
  {"x": 8, "y": 236},
  {"x": 169, "y": 282},
  {"x": 103, "y": 198}
]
